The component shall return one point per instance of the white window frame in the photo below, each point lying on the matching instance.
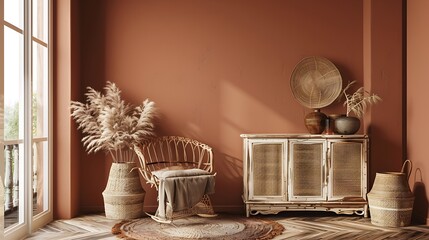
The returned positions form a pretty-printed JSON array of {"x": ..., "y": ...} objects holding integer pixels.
[{"x": 30, "y": 222}]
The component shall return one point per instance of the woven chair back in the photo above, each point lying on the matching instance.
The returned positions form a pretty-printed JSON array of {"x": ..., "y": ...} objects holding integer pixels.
[{"x": 173, "y": 152}]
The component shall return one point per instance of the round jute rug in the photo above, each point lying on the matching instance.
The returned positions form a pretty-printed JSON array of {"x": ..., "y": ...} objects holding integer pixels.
[{"x": 220, "y": 227}]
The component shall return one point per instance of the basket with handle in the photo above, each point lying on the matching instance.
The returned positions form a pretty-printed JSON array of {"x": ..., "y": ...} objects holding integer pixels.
[{"x": 391, "y": 200}]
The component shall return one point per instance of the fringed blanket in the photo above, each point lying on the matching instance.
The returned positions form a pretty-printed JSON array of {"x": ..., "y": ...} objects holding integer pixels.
[{"x": 182, "y": 189}]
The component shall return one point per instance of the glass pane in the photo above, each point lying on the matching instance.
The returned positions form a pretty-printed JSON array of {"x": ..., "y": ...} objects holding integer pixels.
[
  {"x": 40, "y": 19},
  {"x": 40, "y": 127},
  {"x": 13, "y": 122},
  {"x": 13, "y": 12}
]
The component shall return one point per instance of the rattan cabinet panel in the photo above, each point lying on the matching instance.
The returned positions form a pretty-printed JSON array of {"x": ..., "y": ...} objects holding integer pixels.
[
  {"x": 267, "y": 169},
  {"x": 306, "y": 170},
  {"x": 284, "y": 172},
  {"x": 348, "y": 171}
]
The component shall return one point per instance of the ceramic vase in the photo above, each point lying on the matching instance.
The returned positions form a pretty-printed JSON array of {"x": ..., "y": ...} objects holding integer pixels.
[
  {"x": 346, "y": 125},
  {"x": 315, "y": 122}
]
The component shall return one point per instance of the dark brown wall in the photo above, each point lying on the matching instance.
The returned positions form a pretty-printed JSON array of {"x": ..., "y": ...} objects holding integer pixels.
[
  {"x": 93, "y": 74},
  {"x": 217, "y": 69}
]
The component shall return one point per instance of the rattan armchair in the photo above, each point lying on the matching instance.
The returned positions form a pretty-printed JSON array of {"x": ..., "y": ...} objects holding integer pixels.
[{"x": 176, "y": 158}]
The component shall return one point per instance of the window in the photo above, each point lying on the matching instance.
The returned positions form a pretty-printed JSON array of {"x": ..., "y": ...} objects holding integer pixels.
[{"x": 27, "y": 121}]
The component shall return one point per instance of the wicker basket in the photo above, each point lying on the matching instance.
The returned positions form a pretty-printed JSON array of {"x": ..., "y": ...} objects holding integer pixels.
[
  {"x": 124, "y": 195},
  {"x": 390, "y": 212},
  {"x": 391, "y": 200},
  {"x": 316, "y": 82}
]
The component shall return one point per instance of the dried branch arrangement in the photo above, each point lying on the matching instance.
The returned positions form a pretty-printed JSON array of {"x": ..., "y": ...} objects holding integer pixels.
[
  {"x": 111, "y": 125},
  {"x": 359, "y": 100}
]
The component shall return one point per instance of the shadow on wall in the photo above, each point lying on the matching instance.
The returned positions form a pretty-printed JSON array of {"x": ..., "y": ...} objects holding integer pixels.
[
  {"x": 229, "y": 187},
  {"x": 382, "y": 155},
  {"x": 92, "y": 73},
  {"x": 233, "y": 167},
  {"x": 420, "y": 209}
]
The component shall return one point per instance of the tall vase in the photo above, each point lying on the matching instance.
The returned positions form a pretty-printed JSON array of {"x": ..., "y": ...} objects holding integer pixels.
[{"x": 124, "y": 195}]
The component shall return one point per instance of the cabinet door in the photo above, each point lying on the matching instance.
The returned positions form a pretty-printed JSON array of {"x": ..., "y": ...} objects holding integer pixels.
[
  {"x": 307, "y": 170},
  {"x": 347, "y": 170},
  {"x": 266, "y": 170}
]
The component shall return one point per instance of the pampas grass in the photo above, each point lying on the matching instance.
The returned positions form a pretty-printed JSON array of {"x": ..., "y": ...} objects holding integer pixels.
[
  {"x": 359, "y": 100},
  {"x": 112, "y": 125}
]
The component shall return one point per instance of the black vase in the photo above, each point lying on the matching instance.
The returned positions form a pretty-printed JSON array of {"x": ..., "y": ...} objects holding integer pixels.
[
  {"x": 315, "y": 122},
  {"x": 346, "y": 125}
]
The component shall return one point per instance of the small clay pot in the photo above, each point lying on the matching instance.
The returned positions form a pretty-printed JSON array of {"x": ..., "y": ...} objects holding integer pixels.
[
  {"x": 330, "y": 121},
  {"x": 315, "y": 122}
]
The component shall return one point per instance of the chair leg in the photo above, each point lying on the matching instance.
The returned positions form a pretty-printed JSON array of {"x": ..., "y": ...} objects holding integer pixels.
[
  {"x": 160, "y": 220},
  {"x": 207, "y": 207}
]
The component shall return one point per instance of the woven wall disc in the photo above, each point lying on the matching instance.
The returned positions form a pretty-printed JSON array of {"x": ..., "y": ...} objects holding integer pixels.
[{"x": 315, "y": 82}]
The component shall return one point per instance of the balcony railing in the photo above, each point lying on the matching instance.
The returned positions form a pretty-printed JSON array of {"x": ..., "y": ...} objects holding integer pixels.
[{"x": 11, "y": 176}]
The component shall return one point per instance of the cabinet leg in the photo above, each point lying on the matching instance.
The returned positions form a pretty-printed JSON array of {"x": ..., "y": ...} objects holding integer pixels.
[
  {"x": 247, "y": 211},
  {"x": 365, "y": 209}
]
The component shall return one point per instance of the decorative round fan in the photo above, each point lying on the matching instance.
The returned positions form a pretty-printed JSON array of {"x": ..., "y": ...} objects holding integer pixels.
[{"x": 315, "y": 82}]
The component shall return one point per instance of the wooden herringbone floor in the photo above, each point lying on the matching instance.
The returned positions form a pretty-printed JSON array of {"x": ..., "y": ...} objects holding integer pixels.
[
  {"x": 297, "y": 226},
  {"x": 344, "y": 227}
]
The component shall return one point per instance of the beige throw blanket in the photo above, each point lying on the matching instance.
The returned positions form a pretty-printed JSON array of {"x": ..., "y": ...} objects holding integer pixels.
[{"x": 182, "y": 189}]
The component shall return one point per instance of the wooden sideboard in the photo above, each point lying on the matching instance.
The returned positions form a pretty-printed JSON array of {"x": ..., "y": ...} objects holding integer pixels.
[{"x": 299, "y": 172}]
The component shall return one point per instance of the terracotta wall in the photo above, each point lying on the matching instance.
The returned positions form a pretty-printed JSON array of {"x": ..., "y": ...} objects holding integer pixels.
[
  {"x": 417, "y": 100},
  {"x": 384, "y": 65},
  {"x": 217, "y": 69},
  {"x": 67, "y": 148}
]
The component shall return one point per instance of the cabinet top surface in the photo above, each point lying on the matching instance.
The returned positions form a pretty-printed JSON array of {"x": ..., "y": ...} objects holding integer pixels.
[{"x": 318, "y": 136}]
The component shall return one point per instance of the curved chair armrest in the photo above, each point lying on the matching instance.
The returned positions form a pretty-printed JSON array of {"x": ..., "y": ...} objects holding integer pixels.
[{"x": 143, "y": 170}]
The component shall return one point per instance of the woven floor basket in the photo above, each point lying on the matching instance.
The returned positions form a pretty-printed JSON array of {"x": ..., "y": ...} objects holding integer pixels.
[
  {"x": 390, "y": 212},
  {"x": 124, "y": 195},
  {"x": 391, "y": 200}
]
